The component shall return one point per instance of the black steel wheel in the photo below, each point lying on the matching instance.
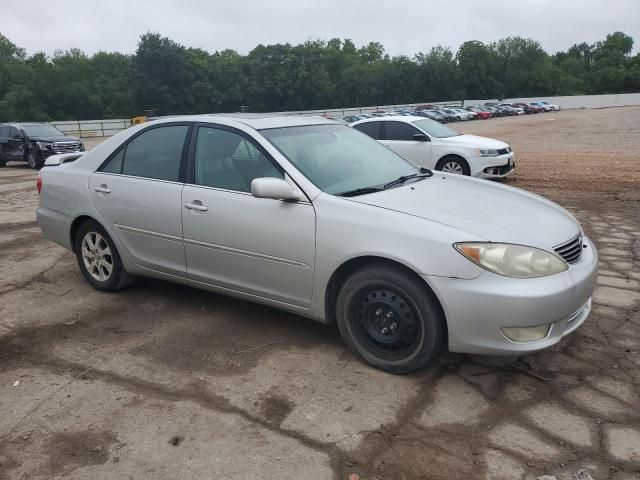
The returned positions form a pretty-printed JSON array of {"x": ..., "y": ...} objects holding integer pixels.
[
  {"x": 389, "y": 317},
  {"x": 386, "y": 322}
]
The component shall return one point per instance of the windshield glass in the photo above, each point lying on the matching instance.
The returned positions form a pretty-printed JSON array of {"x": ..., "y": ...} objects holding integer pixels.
[
  {"x": 435, "y": 129},
  {"x": 338, "y": 158},
  {"x": 42, "y": 131}
]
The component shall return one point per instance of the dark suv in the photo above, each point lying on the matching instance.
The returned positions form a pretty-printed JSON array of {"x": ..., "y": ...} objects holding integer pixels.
[{"x": 34, "y": 142}]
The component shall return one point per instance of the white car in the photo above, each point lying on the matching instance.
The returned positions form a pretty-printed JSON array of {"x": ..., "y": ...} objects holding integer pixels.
[
  {"x": 464, "y": 114},
  {"x": 550, "y": 106},
  {"x": 429, "y": 144},
  {"x": 458, "y": 115},
  {"x": 546, "y": 106}
]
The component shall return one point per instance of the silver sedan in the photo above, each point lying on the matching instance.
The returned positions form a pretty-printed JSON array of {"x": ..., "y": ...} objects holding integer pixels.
[{"x": 314, "y": 217}]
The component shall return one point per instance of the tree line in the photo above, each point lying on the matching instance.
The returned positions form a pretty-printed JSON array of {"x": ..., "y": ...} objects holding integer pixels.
[{"x": 165, "y": 75}]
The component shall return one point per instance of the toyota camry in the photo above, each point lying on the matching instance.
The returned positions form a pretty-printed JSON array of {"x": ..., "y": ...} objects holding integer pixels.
[{"x": 314, "y": 217}]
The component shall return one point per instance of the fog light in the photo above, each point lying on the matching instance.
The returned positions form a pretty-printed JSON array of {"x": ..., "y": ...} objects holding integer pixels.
[{"x": 526, "y": 334}]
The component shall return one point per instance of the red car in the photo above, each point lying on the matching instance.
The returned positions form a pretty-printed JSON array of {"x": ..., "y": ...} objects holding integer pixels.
[{"x": 483, "y": 114}]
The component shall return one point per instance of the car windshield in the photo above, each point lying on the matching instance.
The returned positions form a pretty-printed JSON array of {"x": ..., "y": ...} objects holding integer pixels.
[
  {"x": 435, "y": 129},
  {"x": 42, "y": 131},
  {"x": 338, "y": 158}
]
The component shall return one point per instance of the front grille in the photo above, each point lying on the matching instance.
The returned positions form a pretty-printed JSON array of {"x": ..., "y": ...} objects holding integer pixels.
[
  {"x": 66, "y": 147},
  {"x": 571, "y": 251}
]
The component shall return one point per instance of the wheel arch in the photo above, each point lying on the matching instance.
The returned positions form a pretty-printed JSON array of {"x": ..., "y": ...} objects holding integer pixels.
[
  {"x": 349, "y": 266},
  {"x": 75, "y": 226},
  {"x": 449, "y": 155}
]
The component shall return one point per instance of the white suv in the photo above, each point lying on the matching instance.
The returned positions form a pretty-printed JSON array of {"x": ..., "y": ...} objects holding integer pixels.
[{"x": 427, "y": 143}]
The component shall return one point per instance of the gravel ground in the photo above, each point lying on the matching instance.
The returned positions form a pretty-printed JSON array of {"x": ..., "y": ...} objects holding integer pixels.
[{"x": 162, "y": 381}]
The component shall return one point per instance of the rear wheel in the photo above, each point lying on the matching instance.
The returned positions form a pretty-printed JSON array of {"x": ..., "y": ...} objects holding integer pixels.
[
  {"x": 34, "y": 159},
  {"x": 454, "y": 164},
  {"x": 98, "y": 258},
  {"x": 390, "y": 319}
]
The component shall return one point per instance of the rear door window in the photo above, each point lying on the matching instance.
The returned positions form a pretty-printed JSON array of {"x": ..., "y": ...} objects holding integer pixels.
[
  {"x": 399, "y": 131},
  {"x": 370, "y": 128},
  {"x": 155, "y": 153}
]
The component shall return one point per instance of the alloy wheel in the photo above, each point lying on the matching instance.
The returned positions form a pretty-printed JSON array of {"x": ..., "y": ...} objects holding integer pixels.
[
  {"x": 452, "y": 167},
  {"x": 31, "y": 159},
  {"x": 97, "y": 256}
]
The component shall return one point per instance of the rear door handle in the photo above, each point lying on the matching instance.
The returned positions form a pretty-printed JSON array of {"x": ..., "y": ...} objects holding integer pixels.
[
  {"x": 102, "y": 189},
  {"x": 196, "y": 205}
]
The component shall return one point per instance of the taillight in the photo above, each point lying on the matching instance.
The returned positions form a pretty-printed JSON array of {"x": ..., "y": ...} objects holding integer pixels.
[{"x": 39, "y": 183}]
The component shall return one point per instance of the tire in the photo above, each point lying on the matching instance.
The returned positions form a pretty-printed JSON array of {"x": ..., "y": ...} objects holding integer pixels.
[
  {"x": 454, "y": 164},
  {"x": 98, "y": 258},
  {"x": 390, "y": 319},
  {"x": 3, "y": 162},
  {"x": 35, "y": 160}
]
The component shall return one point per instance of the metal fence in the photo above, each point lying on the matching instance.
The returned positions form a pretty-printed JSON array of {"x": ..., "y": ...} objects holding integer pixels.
[
  {"x": 106, "y": 128},
  {"x": 93, "y": 128}
]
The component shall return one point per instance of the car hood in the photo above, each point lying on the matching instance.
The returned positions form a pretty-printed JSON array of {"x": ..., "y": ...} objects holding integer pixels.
[
  {"x": 473, "y": 141},
  {"x": 55, "y": 138},
  {"x": 481, "y": 210}
]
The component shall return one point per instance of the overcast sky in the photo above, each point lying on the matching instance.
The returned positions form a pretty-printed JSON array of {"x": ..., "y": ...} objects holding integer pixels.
[{"x": 402, "y": 26}]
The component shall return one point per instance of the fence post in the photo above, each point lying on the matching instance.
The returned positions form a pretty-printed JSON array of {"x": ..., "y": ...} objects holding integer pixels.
[{"x": 102, "y": 127}]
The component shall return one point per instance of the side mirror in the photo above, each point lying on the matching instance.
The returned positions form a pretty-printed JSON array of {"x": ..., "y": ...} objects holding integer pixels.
[
  {"x": 420, "y": 137},
  {"x": 274, "y": 188}
]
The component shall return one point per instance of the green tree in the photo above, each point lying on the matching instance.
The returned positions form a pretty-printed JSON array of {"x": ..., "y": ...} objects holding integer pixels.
[{"x": 316, "y": 74}]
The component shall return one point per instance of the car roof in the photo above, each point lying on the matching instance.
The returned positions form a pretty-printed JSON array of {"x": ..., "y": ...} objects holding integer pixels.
[
  {"x": 261, "y": 121},
  {"x": 257, "y": 121},
  {"x": 392, "y": 118}
]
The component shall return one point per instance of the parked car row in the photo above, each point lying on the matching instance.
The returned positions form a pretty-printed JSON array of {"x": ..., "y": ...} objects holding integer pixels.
[{"x": 447, "y": 114}]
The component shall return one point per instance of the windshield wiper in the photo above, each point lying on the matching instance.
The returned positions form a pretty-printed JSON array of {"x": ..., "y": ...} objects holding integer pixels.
[
  {"x": 360, "y": 191},
  {"x": 424, "y": 173}
]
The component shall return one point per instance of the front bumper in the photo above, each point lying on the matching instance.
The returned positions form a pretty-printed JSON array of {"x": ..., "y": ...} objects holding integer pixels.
[
  {"x": 493, "y": 167},
  {"x": 477, "y": 309}
]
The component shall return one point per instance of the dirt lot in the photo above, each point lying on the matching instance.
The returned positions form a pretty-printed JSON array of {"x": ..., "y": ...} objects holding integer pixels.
[{"x": 165, "y": 382}]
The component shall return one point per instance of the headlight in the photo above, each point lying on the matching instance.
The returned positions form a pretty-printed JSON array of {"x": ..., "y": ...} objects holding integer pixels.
[
  {"x": 517, "y": 261},
  {"x": 486, "y": 152},
  {"x": 45, "y": 145}
]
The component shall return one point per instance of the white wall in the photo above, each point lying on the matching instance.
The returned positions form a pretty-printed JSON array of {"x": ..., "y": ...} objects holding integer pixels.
[{"x": 576, "y": 101}]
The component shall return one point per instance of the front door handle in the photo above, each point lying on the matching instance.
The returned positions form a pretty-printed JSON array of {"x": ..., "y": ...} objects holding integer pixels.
[
  {"x": 102, "y": 189},
  {"x": 196, "y": 205}
]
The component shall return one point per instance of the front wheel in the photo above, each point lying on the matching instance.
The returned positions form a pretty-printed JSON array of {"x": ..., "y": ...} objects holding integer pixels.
[
  {"x": 455, "y": 165},
  {"x": 35, "y": 160},
  {"x": 390, "y": 319},
  {"x": 98, "y": 258}
]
